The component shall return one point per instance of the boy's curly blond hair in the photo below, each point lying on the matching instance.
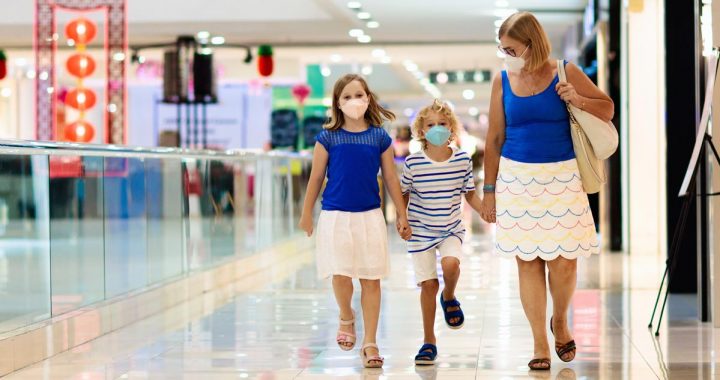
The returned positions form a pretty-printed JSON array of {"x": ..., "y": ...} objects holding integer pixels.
[{"x": 438, "y": 107}]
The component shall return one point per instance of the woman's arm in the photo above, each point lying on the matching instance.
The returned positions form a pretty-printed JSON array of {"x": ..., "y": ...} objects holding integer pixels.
[
  {"x": 582, "y": 93},
  {"x": 393, "y": 186},
  {"x": 493, "y": 147},
  {"x": 317, "y": 176}
]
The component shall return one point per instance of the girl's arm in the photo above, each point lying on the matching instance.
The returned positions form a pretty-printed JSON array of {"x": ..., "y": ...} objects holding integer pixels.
[
  {"x": 317, "y": 176},
  {"x": 393, "y": 185}
]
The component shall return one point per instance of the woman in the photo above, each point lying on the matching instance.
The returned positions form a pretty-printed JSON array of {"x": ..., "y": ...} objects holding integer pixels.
[{"x": 532, "y": 188}]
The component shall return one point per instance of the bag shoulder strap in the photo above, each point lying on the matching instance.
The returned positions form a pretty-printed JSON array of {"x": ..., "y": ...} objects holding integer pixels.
[{"x": 561, "y": 70}]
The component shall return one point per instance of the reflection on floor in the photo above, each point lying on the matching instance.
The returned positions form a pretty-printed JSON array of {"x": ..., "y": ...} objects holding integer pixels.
[{"x": 281, "y": 325}]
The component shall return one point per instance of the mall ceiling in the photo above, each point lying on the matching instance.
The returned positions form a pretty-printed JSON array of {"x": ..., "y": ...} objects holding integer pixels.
[{"x": 434, "y": 35}]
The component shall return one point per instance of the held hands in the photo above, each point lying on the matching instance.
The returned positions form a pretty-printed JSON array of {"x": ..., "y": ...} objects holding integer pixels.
[
  {"x": 487, "y": 212},
  {"x": 306, "y": 224},
  {"x": 567, "y": 93},
  {"x": 403, "y": 227}
]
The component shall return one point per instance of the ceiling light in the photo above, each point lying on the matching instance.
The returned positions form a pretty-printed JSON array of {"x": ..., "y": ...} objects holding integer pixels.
[
  {"x": 217, "y": 40},
  {"x": 473, "y": 111},
  {"x": 468, "y": 94},
  {"x": 119, "y": 57},
  {"x": 354, "y": 5},
  {"x": 419, "y": 75},
  {"x": 363, "y": 15},
  {"x": 442, "y": 77},
  {"x": 386, "y": 59},
  {"x": 6, "y": 92},
  {"x": 356, "y": 33},
  {"x": 367, "y": 70},
  {"x": 500, "y": 54},
  {"x": 373, "y": 24},
  {"x": 378, "y": 53},
  {"x": 364, "y": 39},
  {"x": 336, "y": 58},
  {"x": 203, "y": 35},
  {"x": 325, "y": 70},
  {"x": 408, "y": 112}
]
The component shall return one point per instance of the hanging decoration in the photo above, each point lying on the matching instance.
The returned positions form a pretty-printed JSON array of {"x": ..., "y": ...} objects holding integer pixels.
[
  {"x": 301, "y": 92},
  {"x": 3, "y": 65},
  {"x": 265, "y": 60},
  {"x": 80, "y": 65}
]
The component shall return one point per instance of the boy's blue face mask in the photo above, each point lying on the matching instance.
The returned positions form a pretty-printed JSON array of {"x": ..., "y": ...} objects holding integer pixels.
[{"x": 437, "y": 135}]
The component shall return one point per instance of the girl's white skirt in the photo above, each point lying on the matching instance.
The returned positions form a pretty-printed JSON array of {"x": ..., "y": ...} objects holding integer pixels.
[
  {"x": 352, "y": 244},
  {"x": 542, "y": 211}
]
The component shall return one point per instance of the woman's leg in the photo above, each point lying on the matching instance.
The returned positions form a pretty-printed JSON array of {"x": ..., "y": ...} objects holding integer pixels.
[
  {"x": 371, "y": 313},
  {"x": 563, "y": 279},
  {"x": 534, "y": 300},
  {"x": 343, "y": 288}
]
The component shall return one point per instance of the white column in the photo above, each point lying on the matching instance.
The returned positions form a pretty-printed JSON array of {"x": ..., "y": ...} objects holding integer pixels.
[
  {"x": 714, "y": 203},
  {"x": 644, "y": 131}
]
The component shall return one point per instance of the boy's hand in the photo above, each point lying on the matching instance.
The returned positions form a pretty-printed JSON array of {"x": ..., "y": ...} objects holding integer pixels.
[{"x": 403, "y": 228}]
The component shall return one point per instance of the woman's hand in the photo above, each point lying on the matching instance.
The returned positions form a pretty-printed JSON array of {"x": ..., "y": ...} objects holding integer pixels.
[
  {"x": 306, "y": 224},
  {"x": 488, "y": 208},
  {"x": 568, "y": 93}
]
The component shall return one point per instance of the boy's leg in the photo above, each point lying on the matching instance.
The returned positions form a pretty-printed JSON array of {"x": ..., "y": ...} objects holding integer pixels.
[{"x": 450, "y": 251}]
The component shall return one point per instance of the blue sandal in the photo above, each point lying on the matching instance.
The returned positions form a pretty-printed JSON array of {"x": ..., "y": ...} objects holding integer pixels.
[
  {"x": 426, "y": 355},
  {"x": 452, "y": 314}
]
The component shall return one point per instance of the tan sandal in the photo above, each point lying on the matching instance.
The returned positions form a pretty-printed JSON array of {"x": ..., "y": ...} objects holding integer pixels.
[
  {"x": 345, "y": 337},
  {"x": 368, "y": 359}
]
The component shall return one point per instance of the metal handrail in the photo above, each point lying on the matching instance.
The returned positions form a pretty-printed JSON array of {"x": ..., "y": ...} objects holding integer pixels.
[{"x": 24, "y": 147}]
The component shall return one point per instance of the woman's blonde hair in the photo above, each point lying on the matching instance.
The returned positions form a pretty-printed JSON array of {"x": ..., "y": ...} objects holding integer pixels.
[
  {"x": 438, "y": 107},
  {"x": 375, "y": 114},
  {"x": 525, "y": 28}
]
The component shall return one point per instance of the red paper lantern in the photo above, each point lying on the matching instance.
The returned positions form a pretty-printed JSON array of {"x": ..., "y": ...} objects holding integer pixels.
[
  {"x": 81, "y": 30},
  {"x": 81, "y": 99},
  {"x": 301, "y": 92},
  {"x": 81, "y": 65},
  {"x": 265, "y": 60},
  {"x": 3, "y": 65},
  {"x": 80, "y": 131}
]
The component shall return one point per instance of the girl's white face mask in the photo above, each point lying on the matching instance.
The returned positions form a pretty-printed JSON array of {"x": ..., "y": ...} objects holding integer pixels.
[{"x": 355, "y": 108}]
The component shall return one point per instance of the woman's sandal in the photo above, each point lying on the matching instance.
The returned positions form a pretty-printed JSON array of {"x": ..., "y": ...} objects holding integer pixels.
[
  {"x": 564, "y": 349},
  {"x": 452, "y": 314},
  {"x": 367, "y": 360},
  {"x": 539, "y": 364},
  {"x": 345, "y": 337},
  {"x": 426, "y": 355}
]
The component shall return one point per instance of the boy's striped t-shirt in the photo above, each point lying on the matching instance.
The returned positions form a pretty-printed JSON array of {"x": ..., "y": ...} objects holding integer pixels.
[{"x": 436, "y": 190}]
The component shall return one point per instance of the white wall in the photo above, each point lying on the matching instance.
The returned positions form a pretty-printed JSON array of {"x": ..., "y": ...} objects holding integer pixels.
[{"x": 644, "y": 131}]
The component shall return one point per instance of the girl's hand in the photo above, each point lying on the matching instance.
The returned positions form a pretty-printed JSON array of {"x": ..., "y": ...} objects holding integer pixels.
[
  {"x": 403, "y": 227},
  {"x": 488, "y": 208},
  {"x": 567, "y": 93},
  {"x": 306, "y": 224}
]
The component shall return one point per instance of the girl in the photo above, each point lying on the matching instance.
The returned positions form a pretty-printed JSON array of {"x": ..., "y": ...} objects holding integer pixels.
[
  {"x": 352, "y": 234},
  {"x": 433, "y": 182},
  {"x": 543, "y": 216}
]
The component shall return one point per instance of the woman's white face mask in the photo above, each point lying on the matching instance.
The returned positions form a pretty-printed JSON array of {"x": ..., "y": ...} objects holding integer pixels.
[{"x": 515, "y": 64}]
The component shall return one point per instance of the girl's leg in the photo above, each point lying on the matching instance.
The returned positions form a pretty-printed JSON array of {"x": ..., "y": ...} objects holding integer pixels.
[
  {"x": 343, "y": 288},
  {"x": 371, "y": 313},
  {"x": 533, "y": 295}
]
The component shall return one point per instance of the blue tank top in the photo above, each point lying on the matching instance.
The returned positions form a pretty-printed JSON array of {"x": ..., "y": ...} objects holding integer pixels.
[{"x": 537, "y": 128}]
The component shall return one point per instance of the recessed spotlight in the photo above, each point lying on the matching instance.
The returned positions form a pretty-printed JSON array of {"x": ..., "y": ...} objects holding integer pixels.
[
  {"x": 386, "y": 59},
  {"x": 364, "y": 39},
  {"x": 119, "y": 57},
  {"x": 367, "y": 70},
  {"x": 408, "y": 112},
  {"x": 468, "y": 94},
  {"x": 356, "y": 33},
  {"x": 473, "y": 111},
  {"x": 203, "y": 35},
  {"x": 336, "y": 58},
  {"x": 373, "y": 24},
  {"x": 364, "y": 15},
  {"x": 378, "y": 53},
  {"x": 217, "y": 40},
  {"x": 410, "y": 66},
  {"x": 354, "y": 4}
]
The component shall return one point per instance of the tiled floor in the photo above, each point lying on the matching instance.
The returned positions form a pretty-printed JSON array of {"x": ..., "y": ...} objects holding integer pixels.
[{"x": 281, "y": 325}]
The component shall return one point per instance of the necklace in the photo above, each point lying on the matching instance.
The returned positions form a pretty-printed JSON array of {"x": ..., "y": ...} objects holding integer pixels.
[{"x": 532, "y": 89}]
